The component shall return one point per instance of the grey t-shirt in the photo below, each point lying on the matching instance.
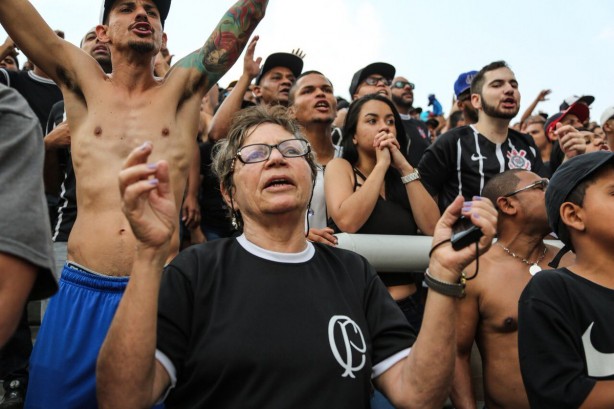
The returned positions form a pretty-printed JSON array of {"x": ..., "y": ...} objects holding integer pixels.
[{"x": 24, "y": 220}]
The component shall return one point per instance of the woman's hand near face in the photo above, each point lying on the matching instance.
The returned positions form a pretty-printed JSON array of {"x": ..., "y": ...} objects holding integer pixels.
[
  {"x": 147, "y": 198},
  {"x": 382, "y": 152}
]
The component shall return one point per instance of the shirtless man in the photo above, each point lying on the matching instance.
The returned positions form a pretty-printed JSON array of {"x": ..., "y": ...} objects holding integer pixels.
[
  {"x": 109, "y": 117},
  {"x": 489, "y": 312}
]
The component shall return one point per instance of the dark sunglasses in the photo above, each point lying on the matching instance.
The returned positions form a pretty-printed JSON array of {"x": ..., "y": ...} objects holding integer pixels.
[
  {"x": 403, "y": 84},
  {"x": 376, "y": 80},
  {"x": 541, "y": 184}
]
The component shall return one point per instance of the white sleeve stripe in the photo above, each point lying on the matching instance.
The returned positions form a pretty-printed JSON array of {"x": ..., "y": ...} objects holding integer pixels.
[
  {"x": 170, "y": 369},
  {"x": 389, "y": 362}
]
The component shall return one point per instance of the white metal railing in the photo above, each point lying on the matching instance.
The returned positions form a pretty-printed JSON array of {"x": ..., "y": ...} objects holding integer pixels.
[{"x": 394, "y": 253}]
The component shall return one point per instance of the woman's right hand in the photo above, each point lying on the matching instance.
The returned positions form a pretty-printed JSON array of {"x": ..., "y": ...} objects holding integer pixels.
[
  {"x": 447, "y": 263},
  {"x": 147, "y": 198},
  {"x": 381, "y": 143}
]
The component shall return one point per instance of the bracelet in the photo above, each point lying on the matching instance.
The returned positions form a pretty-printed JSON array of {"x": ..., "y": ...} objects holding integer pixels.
[
  {"x": 410, "y": 177},
  {"x": 456, "y": 290}
]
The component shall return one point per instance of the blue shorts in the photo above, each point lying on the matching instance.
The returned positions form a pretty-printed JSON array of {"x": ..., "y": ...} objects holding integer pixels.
[{"x": 63, "y": 362}]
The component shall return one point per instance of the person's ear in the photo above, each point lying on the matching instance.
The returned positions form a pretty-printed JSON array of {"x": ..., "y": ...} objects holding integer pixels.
[
  {"x": 572, "y": 216},
  {"x": 101, "y": 34},
  {"x": 476, "y": 101},
  {"x": 164, "y": 40},
  {"x": 226, "y": 197},
  {"x": 292, "y": 111},
  {"x": 506, "y": 205},
  {"x": 257, "y": 91}
]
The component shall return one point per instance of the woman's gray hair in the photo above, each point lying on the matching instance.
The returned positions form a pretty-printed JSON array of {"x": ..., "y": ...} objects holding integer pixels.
[{"x": 243, "y": 124}]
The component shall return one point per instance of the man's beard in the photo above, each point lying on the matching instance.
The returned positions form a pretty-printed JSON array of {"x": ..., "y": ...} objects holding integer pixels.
[
  {"x": 492, "y": 111},
  {"x": 141, "y": 47},
  {"x": 105, "y": 63},
  {"x": 470, "y": 114},
  {"x": 399, "y": 101}
]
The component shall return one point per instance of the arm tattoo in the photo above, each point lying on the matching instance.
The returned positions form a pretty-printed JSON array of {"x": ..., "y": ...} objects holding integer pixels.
[{"x": 227, "y": 41}]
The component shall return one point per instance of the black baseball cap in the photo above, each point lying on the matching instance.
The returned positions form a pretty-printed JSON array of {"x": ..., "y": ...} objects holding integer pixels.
[
  {"x": 567, "y": 102},
  {"x": 163, "y": 8},
  {"x": 384, "y": 69},
  {"x": 292, "y": 62},
  {"x": 569, "y": 175}
]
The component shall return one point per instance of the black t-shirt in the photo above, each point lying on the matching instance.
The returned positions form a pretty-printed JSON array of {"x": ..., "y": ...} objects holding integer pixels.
[
  {"x": 212, "y": 206},
  {"x": 41, "y": 93},
  {"x": 249, "y": 329},
  {"x": 565, "y": 338},
  {"x": 418, "y": 138},
  {"x": 67, "y": 203},
  {"x": 461, "y": 161}
]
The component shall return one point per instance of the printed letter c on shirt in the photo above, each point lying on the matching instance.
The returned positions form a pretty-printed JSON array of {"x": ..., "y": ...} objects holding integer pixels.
[
  {"x": 598, "y": 364},
  {"x": 347, "y": 344}
]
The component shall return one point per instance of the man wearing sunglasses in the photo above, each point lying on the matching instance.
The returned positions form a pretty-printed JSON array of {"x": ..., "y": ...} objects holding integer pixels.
[
  {"x": 488, "y": 313},
  {"x": 402, "y": 92},
  {"x": 373, "y": 79}
]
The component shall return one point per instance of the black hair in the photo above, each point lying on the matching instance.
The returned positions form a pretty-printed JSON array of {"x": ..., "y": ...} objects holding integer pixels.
[
  {"x": 304, "y": 74},
  {"x": 501, "y": 184},
  {"x": 455, "y": 117},
  {"x": 576, "y": 196},
  {"x": 478, "y": 81},
  {"x": 395, "y": 191}
]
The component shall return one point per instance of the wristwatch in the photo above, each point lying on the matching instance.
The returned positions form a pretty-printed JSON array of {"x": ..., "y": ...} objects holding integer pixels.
[
  {"x": 456, "y": 290},
  {"x": 410, "y": 177}
]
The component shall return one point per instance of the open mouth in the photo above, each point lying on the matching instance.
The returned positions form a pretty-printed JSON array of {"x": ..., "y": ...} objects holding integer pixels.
[
  {"x": 278, "y": 183},
  {"x": 142, "y": 28},
  {"x": 101, "y": 50},
  {"x": 509, "y": 103},
  {"x": 322, "y": 105}
]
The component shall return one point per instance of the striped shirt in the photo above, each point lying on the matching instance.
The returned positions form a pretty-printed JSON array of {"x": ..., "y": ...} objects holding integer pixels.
[{"x": 461, "y": 161}]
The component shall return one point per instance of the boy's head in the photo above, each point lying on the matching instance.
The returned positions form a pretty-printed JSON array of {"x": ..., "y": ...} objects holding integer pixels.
[{"x": 567, "y": 190}]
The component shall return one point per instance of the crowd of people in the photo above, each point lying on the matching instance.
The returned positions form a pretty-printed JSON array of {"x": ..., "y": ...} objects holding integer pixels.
[{"x": 185, "y": 234}]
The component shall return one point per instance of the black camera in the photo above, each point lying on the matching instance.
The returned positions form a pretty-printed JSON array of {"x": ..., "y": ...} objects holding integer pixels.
[{"x": 464, "y": 233}]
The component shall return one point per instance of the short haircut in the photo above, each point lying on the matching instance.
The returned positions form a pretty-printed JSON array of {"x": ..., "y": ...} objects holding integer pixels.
[
  {"x": 242, "y": 126},
  {"x": 292, "y": 92},
  {"x": 535, "y": 119},
  {"x": 576, "y": 196},
  {"x": 478, "y": 81},
  {"x": 501, "y": 184}
]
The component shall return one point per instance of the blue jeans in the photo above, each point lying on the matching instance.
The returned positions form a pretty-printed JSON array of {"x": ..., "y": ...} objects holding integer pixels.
[{"x": 379, "y": 401}]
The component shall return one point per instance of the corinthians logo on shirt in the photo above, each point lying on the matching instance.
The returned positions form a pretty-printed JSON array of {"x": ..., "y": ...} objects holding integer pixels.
[
  {"x": 347, "y": 344},
  {"x": 518, "y": 159}
]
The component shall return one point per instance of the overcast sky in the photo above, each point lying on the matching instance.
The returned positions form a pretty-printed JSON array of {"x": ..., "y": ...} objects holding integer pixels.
[{"x": 567, "y": 46}]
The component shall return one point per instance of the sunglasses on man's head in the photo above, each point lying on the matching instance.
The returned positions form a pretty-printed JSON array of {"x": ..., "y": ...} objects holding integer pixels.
[
  {"x": 541, "y": 184},
  {"x": 403, "y": 84}
]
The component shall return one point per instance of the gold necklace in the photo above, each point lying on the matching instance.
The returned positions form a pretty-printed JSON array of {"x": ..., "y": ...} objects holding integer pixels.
[{"x": 534, "y": 268}]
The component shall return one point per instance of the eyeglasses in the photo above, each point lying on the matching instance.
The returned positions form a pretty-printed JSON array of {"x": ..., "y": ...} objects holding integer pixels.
[
  {"x": 541, "y": 184},
  {"x": 376, "y": 80},
  {"x": 403, "y": 84},
  {"x": 260, "y": 152}
]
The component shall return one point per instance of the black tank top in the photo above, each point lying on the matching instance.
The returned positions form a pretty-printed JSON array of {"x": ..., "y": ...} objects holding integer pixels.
[{"x": 388, "y": 217}]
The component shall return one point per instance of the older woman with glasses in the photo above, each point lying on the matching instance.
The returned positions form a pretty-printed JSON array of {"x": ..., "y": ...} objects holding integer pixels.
[{"x": 269, "y": 319}]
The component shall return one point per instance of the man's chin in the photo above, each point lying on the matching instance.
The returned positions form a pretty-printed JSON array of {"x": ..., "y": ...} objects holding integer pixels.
[{"x": 142, "y": 47}]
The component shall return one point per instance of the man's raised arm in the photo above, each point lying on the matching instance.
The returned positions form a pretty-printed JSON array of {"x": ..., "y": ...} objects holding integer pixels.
[
  {"x": 224, "y": 46},
  {"x": 34, "y": 37}
]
